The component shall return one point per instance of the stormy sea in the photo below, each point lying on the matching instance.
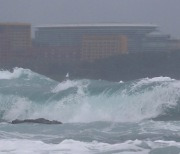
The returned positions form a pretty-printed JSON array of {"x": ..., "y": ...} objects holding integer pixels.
[{"x": 99, "y": 117}]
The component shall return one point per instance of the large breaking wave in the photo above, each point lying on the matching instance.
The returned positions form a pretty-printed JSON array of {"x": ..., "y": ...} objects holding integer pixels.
[{"x": 25, "y": 94}]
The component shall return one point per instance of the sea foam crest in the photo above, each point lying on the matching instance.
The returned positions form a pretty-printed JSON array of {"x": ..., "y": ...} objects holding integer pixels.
[
  {"x": 79, "y": 147},
  {"x": 91, "y": 100},
  {"x": 146, "y": 81},
  {"x": 80, "y": 84},
  {"x": 16, "y": 73},
  {"x": 121, "y": 105}
]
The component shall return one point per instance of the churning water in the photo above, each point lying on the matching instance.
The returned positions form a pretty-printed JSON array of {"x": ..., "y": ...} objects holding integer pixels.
[{"x": 99, "y": 117}]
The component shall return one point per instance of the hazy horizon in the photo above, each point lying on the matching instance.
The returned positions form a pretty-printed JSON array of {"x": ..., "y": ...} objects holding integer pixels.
[{"x": 40, "y": 12}]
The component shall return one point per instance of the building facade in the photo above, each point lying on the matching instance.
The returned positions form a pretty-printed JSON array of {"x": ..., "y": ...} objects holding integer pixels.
[
  {"x": 94, "y": 41},
  {"x": 15, "y": 36},
  {"x": 157, "y": 42},
  {"x": 15, "y": 43}
]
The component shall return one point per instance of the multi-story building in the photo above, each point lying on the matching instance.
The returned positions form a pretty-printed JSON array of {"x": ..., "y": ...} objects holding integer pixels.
[
  {"x": 15, "y": 36},
  {"x": 15, "y": 42},
  {"x": 157, "y": 42},
  {"x": 175, "y": 45},
  {"x": 94, "y": 41}
]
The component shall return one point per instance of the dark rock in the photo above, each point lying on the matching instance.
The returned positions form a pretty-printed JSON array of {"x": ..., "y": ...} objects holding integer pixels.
[{"x": 39, "y": 120}]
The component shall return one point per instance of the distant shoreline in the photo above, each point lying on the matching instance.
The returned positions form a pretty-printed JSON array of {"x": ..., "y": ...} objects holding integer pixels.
[
  {"x": 118, "y": 68},
  {"x": 126, "y": 67}
]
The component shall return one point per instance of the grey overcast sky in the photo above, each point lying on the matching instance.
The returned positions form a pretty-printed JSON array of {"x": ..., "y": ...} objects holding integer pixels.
[{"x": 164, "y": 13}]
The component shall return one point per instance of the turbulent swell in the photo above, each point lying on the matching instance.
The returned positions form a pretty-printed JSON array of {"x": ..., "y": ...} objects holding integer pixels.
[{"x": 25, "y": 94}]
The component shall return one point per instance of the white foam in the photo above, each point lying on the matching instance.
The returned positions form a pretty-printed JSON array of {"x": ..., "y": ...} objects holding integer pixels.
[
  {"x": 21, "y": 146},
  {"x": 82, "y": 106},
  {"x": 69, "y": 84},
  {"x": 64, "y": 86},
  {"x": 16, "y": 73},
  {"x": 19, "y": 108},
  {"x": 147, "y": 81},
  {"x": 68, "y": 147},
  {"x": 121, "y": 81}
]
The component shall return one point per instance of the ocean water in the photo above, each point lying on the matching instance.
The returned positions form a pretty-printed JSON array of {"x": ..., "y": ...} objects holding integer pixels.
[{"x": 99, "y": 117}]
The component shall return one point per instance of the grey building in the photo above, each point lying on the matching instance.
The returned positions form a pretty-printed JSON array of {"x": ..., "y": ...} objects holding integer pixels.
[{"x": 94, "y": 41}]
